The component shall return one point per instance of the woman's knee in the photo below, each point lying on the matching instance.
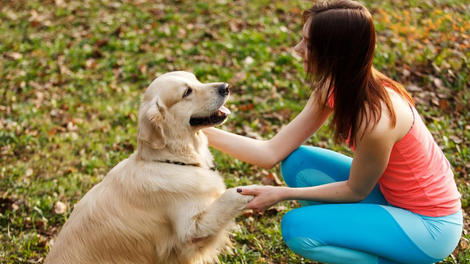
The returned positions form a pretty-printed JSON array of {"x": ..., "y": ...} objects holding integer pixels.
[
  {"x": 291, "y": 165},
  {"x": 329, "y": 162},
  {"x": 294, "y": 159}
]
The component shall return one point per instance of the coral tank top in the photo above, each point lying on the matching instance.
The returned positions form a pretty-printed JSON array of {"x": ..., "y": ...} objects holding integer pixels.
[{"x": 418, "y": 176}]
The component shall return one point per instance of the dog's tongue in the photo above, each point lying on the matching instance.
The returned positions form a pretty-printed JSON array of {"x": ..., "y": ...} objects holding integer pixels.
[{"x": 224, "y": 110}]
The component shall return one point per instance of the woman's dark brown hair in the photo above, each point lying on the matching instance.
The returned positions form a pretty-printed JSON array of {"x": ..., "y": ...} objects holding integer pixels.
[{"x": 341, "y": 46}]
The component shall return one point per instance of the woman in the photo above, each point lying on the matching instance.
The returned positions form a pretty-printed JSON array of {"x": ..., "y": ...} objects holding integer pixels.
[{"x": 394, "y": 202}]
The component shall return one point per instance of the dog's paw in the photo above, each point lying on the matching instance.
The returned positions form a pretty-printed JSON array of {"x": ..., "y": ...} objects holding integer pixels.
[{"x": 236, "y": 199}]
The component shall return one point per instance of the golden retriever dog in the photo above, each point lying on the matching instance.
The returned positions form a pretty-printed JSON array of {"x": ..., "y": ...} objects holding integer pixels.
[{"x": 165, "y": 203}]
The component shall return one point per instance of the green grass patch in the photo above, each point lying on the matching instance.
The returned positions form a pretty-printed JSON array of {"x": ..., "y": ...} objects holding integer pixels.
[{"x": 72, "y": 74}]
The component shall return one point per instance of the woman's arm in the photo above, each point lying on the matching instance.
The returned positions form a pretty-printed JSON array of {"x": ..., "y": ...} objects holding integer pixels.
[
  {"x": 370, "y": 160},
  {"x": 268, "y": 153}
]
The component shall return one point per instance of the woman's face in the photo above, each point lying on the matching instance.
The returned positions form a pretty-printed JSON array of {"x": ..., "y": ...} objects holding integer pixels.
[{"x": 303, "y": 46}]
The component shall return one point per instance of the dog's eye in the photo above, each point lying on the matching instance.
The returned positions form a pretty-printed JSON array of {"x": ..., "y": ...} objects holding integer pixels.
[{"x": 187, "y": 92}]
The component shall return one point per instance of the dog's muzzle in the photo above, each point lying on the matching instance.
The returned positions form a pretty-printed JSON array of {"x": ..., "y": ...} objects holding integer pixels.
[{"x": 219, "y": 116}]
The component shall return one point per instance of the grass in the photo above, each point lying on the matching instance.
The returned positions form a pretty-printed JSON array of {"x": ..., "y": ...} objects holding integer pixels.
[{"x": 72, "y": 73}]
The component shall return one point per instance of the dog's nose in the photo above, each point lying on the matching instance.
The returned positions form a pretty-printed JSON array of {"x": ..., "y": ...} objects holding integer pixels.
[{"x": 223, "y": 89}]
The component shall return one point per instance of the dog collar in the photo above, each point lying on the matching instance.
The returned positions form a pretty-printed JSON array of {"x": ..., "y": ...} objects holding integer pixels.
[{"x": 181, "y": 163}]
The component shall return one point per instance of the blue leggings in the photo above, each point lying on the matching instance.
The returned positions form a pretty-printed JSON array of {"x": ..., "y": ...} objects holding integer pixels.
[{"x": 371, "y": 231}]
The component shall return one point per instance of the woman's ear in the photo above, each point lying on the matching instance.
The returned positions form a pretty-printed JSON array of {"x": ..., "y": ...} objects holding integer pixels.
[{"x": 150, "y": 128}]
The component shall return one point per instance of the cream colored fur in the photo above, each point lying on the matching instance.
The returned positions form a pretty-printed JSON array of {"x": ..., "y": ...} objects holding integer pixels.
[{"x": 146, "y": 211}]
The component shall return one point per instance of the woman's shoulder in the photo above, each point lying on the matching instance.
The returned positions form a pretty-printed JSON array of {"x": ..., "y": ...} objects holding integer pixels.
[
  {"x": 404, "y": 113},
  {"x": 382, "y": 127}
]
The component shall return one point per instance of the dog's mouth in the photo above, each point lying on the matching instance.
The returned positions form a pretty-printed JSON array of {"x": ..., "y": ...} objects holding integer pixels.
[{"x": 216, "y": 118}]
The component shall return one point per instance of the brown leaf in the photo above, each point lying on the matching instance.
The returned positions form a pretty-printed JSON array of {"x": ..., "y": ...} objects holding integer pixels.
[
  {"x": 464, "y": 243},
  {"x": 90, "y": 63},
  {"x": 275, "y": 210},
  {"x": 248, "y": 213},
  {"x": 143, "y": 68},
  {"x": 444, "y": 104},
  {"x": 246, "y": 107},
  {"x": 70, "y": 170},
  {"x": 35, "y": 19},
  {"x": 296, "y": 10},
  {"x": 101, "y": 42},
  {"x": 237, "y": 25},
  {"x": 271, "y": 179}
]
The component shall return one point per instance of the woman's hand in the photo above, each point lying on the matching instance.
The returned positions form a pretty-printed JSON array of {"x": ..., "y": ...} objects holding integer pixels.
[{"x": 265, "y": 196}]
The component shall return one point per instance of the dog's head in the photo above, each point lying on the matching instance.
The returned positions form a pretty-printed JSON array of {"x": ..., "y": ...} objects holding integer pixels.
[{"x": 176, "y": 105}]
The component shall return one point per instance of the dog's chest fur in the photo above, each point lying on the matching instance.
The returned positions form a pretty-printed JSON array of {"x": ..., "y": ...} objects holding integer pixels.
[{"x": 159, "y": 196}]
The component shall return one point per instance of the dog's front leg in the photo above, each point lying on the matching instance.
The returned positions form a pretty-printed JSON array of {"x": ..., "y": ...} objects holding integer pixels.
[{"x": 220, "y": 214}]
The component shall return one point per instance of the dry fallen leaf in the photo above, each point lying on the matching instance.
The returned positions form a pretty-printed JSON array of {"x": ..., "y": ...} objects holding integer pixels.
[
  {"x": 464, "y": 243},
  {"x": 275, "y": 210},
  {"x": 14, "y": 55},
  {"x": 59, "y": 3},
  {"x": 271, "y": 179},
  {"x": 60, "y": 207},
  {"x": 248, "y": 213}
]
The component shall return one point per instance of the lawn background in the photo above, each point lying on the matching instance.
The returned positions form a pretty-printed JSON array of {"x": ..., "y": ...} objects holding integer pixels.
[{"x": 72, "y": 72}]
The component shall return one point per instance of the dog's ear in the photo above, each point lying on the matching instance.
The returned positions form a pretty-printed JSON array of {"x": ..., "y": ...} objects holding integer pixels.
[{"x": 150, "y": 129}]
